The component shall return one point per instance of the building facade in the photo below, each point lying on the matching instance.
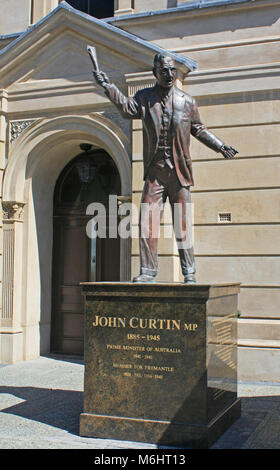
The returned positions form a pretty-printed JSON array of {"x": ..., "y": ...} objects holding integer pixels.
[{"x": 59, "y": 134}]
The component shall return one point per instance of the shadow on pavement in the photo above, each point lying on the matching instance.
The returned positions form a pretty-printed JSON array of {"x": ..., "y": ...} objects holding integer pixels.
[
  {"x": 257, "y": 428},
  {"x": 65, "y": 358},
  {"x": 59, "y": 408}
]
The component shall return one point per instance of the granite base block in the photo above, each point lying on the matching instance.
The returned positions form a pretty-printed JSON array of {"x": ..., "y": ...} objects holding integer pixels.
[
  {"x": 160, "y": 362},
  {"x": 162, "y": 433}
]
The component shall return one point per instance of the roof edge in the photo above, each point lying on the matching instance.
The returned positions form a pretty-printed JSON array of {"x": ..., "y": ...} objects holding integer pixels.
[
  {"x": 190, "y": 64},
  {"x": 189, "y": 6}
]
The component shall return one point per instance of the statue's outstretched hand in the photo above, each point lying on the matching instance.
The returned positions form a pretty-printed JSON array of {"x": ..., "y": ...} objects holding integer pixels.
[
  {"x": 228, "y": 151},
  {"x": 101, "y": 78}
]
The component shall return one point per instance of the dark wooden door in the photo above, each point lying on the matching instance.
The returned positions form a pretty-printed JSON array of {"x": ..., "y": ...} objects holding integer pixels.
[
  {"x": 71, "y": 262},
  {"x": 76, "y": 257}
]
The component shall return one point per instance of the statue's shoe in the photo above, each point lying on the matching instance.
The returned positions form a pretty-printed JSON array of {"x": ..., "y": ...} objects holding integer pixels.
[
  {"x": 144, "y": 278},
  {"x": 189, "y": 279}
]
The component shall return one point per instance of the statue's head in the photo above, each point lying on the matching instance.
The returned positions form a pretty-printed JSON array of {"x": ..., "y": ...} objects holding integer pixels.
[{"x": 164, "y": 70}]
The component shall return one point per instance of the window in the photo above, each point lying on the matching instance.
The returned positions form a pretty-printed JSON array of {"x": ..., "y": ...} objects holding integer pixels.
[
  {"x": 96, "y": 8},
  {"x": 90, "y": 177}
]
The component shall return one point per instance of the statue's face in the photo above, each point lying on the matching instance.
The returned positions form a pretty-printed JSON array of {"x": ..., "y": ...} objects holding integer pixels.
[{"x": 165, "y": 72}]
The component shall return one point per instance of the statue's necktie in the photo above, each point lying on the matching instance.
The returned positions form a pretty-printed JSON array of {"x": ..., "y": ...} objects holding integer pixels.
[{"x": 166, "y": 130}]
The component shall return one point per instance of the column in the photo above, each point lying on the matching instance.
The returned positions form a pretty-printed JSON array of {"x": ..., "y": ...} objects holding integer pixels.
[
  {"x": 11, "y": 332},
  {"x": 125, "y": 243},
  {"x": 123, "y": 7},
  {"x": 179, "y": 2},
  {"x": 42, "y": 8}
]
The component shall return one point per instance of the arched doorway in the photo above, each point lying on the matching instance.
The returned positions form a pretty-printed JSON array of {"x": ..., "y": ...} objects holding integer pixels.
[
  {"x": 90, "y": 177},
  {"x": 36, "y": 159}
]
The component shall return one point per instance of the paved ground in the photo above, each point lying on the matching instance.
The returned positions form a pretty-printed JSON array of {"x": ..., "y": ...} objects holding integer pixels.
[{"x": 40, "y": 403}]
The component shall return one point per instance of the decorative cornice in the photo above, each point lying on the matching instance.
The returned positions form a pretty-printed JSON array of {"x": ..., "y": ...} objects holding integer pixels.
[
  {"x": 137, "y": 81},
  {"x": 17, "y": 127},
  {"x": 139, "y": 86},
  {"x": 13, "y": 210}
]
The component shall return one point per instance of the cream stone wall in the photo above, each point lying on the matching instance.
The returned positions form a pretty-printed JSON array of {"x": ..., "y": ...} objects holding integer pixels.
[
  {"x": 151, "y": 5},
  {"x": 138, "y": 6},
  {"x": 154, "y": 5},
  {"x": 15, "y": 16},
  {"x": 18, "y": 15},
  {"x": 237, "y": 90}
]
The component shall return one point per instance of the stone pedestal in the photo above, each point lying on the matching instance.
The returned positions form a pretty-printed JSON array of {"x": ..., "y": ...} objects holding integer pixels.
[{"x": 160, "y": 362}]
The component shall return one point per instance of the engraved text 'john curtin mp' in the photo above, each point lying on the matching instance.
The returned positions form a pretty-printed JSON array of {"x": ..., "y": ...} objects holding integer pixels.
[{"x": 143, "y": 323}]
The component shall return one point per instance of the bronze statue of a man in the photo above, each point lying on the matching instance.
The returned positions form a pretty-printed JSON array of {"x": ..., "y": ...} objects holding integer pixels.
[{"x": 169, "y": 117}]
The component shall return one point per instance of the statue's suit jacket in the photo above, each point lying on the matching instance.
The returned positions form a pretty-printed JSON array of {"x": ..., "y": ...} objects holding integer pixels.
[{"x": 146, "y": 105}]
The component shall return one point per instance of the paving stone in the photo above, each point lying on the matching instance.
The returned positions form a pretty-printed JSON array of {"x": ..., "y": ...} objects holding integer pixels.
[{"x": 41, "y": 401}]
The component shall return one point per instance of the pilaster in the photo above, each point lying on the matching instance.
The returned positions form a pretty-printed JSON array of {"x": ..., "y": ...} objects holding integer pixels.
[
  {"x": 41, "y": 8},
  {"x": 11, "y": 332},
  {"x": 125, "y": 243},
  {"x": 3, "y": 127},
  {"x": 123, "y": 7}
]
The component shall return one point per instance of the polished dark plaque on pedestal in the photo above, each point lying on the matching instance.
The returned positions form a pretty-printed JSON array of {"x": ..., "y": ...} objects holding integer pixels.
[{"x": 160, "y": 362}]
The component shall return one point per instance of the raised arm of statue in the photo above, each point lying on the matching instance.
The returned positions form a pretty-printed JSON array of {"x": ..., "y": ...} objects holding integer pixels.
[
  {"x": 101, "y": 78},
  {"x": 128, "y": 107}
]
